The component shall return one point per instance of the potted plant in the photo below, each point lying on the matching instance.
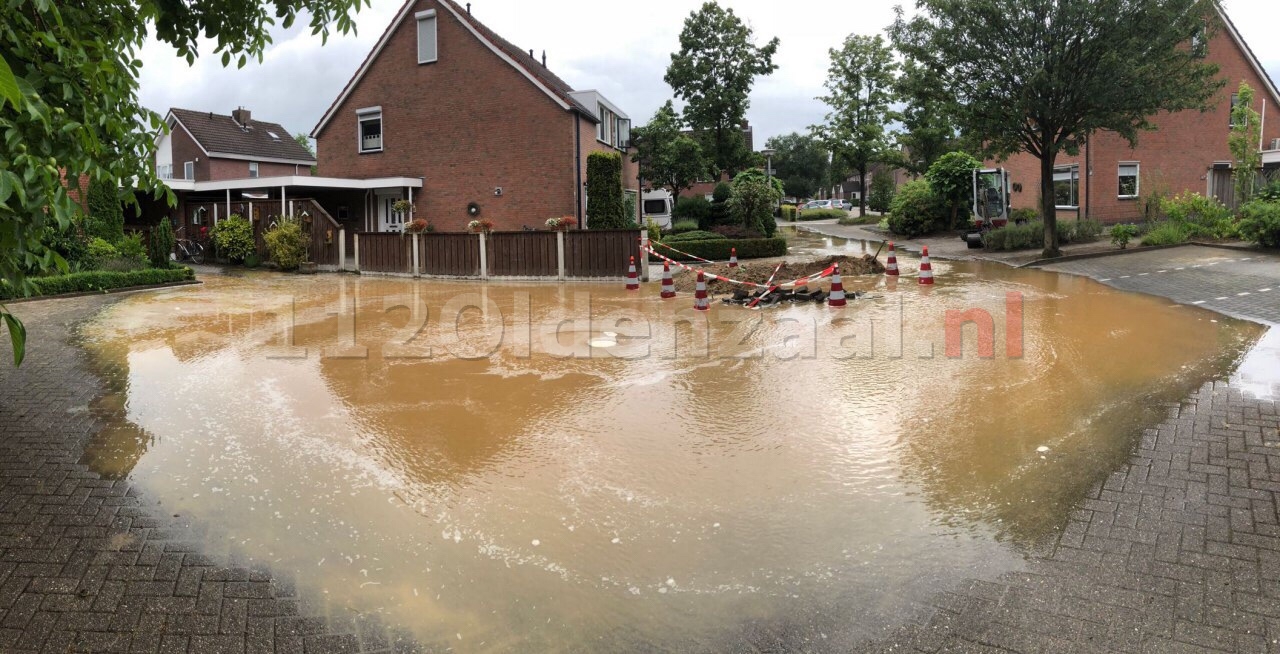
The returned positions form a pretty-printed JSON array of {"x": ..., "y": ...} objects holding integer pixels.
[
  {"x": 563, "y": 224},
  {"x": 480, "y": 226},
  {"x": 417, "y": 226}
]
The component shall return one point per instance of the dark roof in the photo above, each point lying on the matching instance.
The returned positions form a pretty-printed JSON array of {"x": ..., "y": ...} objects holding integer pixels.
[{"x": 221, "y": 134}]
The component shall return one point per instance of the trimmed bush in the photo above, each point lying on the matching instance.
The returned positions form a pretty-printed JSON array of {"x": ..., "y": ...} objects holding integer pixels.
[
  {"x": 718, "y": 250},
  {"x": 1024, "y": 215},
  {"x": 681, "y": 226},
  {"x": 754, "y": 196},
  {"x": 719, "y": 214},
  {"x": 916, "y": 210},
  {"x": 695, "y": 235},
  {"x": 100, "y": 251},
  {"x": 106, "y": 215},
  {"x": 101, "y": 280},
  {"x": 1121, "y": 235},
  {"x": 1260, "y": 223},
  {"x": 695, "y": 208},
  {"x": 951, "y": 178},
  {"x": 234, "y": 238},
  {"x": 789, "y": 213},
  {"x": 1030, "y": 235},
  {"x": 161, "y": 245},
  {"x": 1197, "y": 216},
  {"x": 287, "y": 244},
  {"x": 882, "y": 191},
  {"x": 131, "y": 247},
  {"x": 823, "y": 214},
  {"x": 604, "y": 192}
]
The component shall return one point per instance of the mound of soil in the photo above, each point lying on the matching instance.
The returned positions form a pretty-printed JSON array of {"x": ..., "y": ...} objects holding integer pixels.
[{"x": 759, "y": 272}]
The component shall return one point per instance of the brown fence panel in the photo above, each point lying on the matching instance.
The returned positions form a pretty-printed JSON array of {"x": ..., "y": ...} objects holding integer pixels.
[
  {"x": 325, "y": 232},
  {"x": 600, "y": 252},
  {"x": 448, "y": 254},
  {"x": 523, "y": 254},
  {"x": 389, "y": 253}
]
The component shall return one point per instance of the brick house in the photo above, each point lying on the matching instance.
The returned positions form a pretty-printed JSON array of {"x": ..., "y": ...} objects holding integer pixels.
[
  {"x": 490, "y": 130},
  {"x": 1187, "y": 151},
  {"x": 706, "y": 188},
  {"x": 204, "y": 146}
]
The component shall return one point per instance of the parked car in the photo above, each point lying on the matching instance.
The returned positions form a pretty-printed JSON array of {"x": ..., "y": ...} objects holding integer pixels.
[
  {"x": 657, "y": 207},
  {"x": 820, "y": 204},
  {"x": 846, "y": 205}
]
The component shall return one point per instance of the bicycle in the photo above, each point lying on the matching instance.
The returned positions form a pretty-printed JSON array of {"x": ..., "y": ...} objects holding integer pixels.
[{"x": 187, "y": 249}]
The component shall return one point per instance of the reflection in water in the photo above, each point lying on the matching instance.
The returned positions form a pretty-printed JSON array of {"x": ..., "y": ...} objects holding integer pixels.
[{"x": 551, "y": 495}]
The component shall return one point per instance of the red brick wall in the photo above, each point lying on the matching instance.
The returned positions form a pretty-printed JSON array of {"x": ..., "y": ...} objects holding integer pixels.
[
  {"x": 630, "y": 170},
  {"x": 466, "y": 124},
  {"x": 1177, "y": 156},
  {"x": 239, "y": 169},
  {"x": 186, "y": 149}
]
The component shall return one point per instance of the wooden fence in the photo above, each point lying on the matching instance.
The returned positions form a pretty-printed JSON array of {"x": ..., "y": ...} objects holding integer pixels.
[
  {"x": 594, "y": 254},
  {"x": 325, "y": 233}
]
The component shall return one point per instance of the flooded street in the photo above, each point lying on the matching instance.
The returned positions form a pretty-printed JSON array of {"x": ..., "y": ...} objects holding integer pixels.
[{"x": 574, "y": 467}]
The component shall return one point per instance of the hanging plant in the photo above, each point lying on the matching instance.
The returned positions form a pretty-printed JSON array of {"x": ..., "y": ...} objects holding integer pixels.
[
  {"x": 480, "y": 226},
  {"x": 563, "y": 223}
]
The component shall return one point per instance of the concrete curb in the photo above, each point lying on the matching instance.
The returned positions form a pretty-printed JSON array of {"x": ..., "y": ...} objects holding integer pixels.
[
  {"x": 110, "y": 291},
  {"x": 1095, "y": 255}
]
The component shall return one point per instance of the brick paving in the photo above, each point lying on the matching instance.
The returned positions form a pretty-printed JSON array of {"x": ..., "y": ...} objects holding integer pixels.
[{"x": 91, "y": 565}]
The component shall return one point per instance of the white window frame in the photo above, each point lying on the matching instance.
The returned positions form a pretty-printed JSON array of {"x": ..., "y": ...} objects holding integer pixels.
[
  {"x": 253, "y": 170},
  {"x": 368, "y": 114},
  {"x": 427, "y": 19},
  {"x": 189, "y": 170},
  {"x": 1137, "y": 179},
  {"x": 1074, "y": 171}
]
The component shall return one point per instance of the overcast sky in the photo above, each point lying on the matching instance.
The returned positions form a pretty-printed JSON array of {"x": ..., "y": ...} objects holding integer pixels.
[{"x": 589, "y": 43}]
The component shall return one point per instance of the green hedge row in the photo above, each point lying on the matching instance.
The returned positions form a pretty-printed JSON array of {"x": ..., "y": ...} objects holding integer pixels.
[
  {"x": 718, "y": 250},
  {"x": 102, "y": 280},
  {"x": 822, "y": 214}
]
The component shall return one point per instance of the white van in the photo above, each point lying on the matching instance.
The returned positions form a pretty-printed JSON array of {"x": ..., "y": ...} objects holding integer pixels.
[{"x": 657, "y": 206}]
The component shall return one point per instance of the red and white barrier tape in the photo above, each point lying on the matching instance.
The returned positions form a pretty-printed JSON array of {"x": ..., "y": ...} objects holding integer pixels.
[
  {"x": 829, "y": 271},
  {"x": 691, "y": 256}
]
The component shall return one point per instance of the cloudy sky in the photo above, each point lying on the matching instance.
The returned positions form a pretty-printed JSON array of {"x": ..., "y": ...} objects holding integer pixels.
[{"x": 591, "y": 44}]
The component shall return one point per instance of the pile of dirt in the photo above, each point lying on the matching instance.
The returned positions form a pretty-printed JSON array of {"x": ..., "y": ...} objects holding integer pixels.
[{"x": 759, "y": 272}]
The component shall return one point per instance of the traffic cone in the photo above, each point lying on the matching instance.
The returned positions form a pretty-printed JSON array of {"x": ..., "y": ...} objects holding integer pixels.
[
  {"x": 926, "y": 268},
  {"x": 733, "y": 257},
  {"x": 700, "y": 301},
  {"x": 837, "y": 290},
  {"x": 891, "y": 267},
  {"x": 668, "y": 286},
  {"x": 633, "y": 282}
]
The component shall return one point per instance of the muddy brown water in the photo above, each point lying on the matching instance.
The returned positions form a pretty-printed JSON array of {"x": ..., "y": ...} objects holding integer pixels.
[{"x": 459, "y": 459}]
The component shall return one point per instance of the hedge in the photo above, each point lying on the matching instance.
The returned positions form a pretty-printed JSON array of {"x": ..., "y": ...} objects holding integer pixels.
[
  {"x": 718, "y": 250},
  {"x": 789, "y": 213},
  {"x": 694, "y": 235},
  {"x": 822, "y": 214},
  {"x": 101, "y": 280}
]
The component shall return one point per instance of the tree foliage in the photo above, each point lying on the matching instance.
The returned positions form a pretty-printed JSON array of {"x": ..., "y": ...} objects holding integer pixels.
[
  {"x": 753, "y": 200},
  {"x": 801, "y": 162},
  {"x": 1041, "y": 76},
  {"x": 713, "y": 74},
  {"x": 951, "y": 177},
  {"x": 71, "y": 104},
  {"x": 1243, "y": 144},
  {"x": 161, "y": 244},
  {"x": 860, "y": 94},
  {"x": 882, "y": 191},
  {"x": 106, "y": 214},
  {"x": 927, "y": 129},
  {"x": 604, "y": 192},
  {"x": 668, "y": 158}
]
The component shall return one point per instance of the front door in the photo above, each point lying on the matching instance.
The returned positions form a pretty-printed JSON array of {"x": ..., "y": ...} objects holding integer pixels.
[{"x": 388, "y": 219}]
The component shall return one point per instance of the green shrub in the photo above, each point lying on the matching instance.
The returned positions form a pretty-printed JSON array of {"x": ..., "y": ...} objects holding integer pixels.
[
  {"x": 1168, "y": 232},
  {"x": 722, "y": 192},
  {"x": 71, "y": 243},
  {"x": 695, "y": 208},
  {"x": 1087, "y": 229},
  {"x": 718, "y": 250},
  {"x": 753, "y": 200},
  {"x": 1260, "y": 222},
  {"x": 915, "y": 210},
  {"x": 604, "y": 192},
  {"x": 695, "y": 235},
  {"x": 882, "y": 191},
  {"x": 823, "y": 214},
  {"x": 655, "y": 232},
  {"x": 101, "y": 280},
  {"x": 1121, "y": 235},
  {"x": 161, "y": 245},
  {"x": 951, "y": 178},
  {"x": 234, "y": 238},
  {"x": 1197, "y": 216},
  {"x": 789, "y": 212},
  {"x": 853, "y": 219},
  {"x": 287, "y": 244},
  {"x": 719, "y": 213},
  {"x": 1015, "y": 237},
  {"x": 1270, "y": 193},
  {"x": 1024, "y": 215},
  {"x": 100, "y": 251},
  {"x": 105, "y": 218},
  {"x": 131, "y": 247},
  {"x": 684, "y": 226}
]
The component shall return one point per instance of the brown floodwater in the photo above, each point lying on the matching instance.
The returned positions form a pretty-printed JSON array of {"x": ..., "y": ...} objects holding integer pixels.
[{"x": 501, "y": 467}]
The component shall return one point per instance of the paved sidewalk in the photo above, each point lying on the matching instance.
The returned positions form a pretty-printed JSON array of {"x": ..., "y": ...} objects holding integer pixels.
[{"x": 89, "y": 565}]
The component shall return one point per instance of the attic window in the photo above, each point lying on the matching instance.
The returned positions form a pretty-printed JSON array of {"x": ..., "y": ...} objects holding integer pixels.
[
  {"x": 370, "y": 130},
  {"x": 427, "y": 50},
  {"x": 274, "y": 136}
]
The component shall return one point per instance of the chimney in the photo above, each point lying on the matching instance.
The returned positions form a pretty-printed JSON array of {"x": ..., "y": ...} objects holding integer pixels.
[
  {"x": 468, "y": 8},
  {"x": 544, "y": 58},
  {"x": 531, "y": 53},
  {"x": 241, "y": 116}
]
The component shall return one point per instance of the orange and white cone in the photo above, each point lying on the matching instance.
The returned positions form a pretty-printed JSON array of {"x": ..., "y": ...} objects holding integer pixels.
[
  {"x": 668, "y": 286},
  {"x": 700, "y": 301},
  {"x": 836, "y": 298},
  {"x": 926, "y": 268},
  {"x": 633, "y": 282},
  {"x": 891, "y": 266},
  {"x": 733, "y": 257}
]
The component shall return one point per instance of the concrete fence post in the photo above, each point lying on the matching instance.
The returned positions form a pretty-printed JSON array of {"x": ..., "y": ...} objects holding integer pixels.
[
  {"x": 560, "y": 253},
  {"x": 342, "y": 249},
  {"x": 484, "y": 256},
  {"x": 356, "y": 245},
  {"x": 644, "y": 255},
  {"x": 417, "y": 270}
]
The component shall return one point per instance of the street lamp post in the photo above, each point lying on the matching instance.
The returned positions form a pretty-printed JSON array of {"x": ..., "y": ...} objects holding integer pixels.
[{"x": 768, "y": 173}]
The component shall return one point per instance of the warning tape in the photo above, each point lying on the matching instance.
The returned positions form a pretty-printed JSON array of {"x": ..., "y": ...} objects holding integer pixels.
[
  {"x": 827, "y": 272},
  {"x": 691, "y": 256}
]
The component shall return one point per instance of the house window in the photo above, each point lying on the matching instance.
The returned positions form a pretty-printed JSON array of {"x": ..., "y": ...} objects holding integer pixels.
[
  {"x": 370, "y": 129},
  {"x": 164, "y": 171},
  {"x": 189, "y": 170},
  {"x": 427, "y": 49},
  {"x": 1066, "y": 187},
  {"x": 1200, "y": 42},
  {"x": 1128, "y": 178},
  {"x": 624, "y": 133},
  {"x": 608, "y": 124},
  {"x": 253, "y": 169}
]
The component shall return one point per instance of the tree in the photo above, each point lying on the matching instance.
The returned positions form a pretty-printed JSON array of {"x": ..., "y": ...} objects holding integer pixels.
[
  {"x": 753, "y": 200},
  {"x": 1243, "y": 144},
  {"x": 604, "y": 192},
  {"x": 713, "y": 74},
  {"x": 106, "y": 214},
  {"x": 882, "y": 191},
  {"x": 1041, "y": 76},
  {"x": 70, "y": 105},
  {"x": 927, "y": 129},
  {"x": 860, "y": 94},
  {"x": 305, "y": 142},
  {"x": 801, "y": 162},
  {"x": 951, "y": 177},
  {"x": 668, "y": 158}
]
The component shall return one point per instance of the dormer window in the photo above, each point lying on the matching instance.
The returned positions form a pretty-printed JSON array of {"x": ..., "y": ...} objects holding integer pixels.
[
  {"x": 253, "y": 169},
  {"x": 370, "y": 129},
  {"x": 427, "y": 50}
]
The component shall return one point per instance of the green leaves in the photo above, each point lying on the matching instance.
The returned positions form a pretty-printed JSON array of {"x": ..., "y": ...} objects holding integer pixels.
[
  {"x": 668, "y": 158},
  {"x": 8, "y": 86},
  {"x": 17, "y": 335}
]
